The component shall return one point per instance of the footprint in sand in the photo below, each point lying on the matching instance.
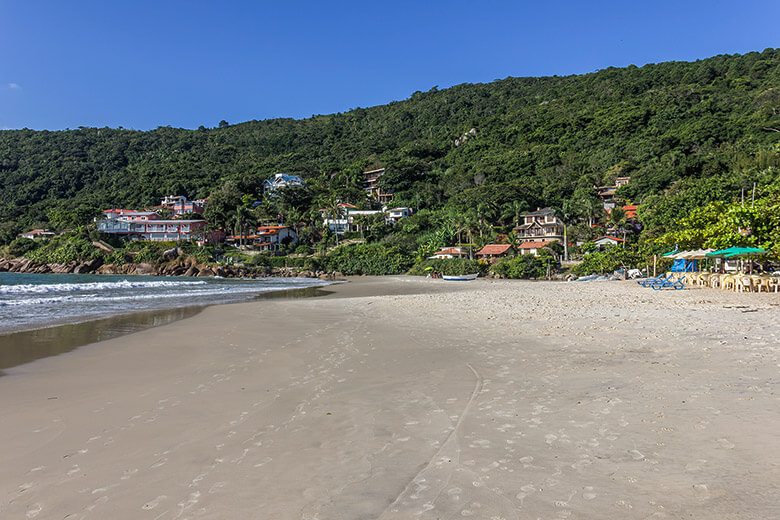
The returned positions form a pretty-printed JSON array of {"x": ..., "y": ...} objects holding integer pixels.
[
  {"x": 34, "y": 510},
  {"x": 726, "y": 444},
  {"x": 154, "y": 503},
  {"x": 588, "y": 493},
  {"x": 159, "y": 463},
  {"x": 128, "y": 473}
]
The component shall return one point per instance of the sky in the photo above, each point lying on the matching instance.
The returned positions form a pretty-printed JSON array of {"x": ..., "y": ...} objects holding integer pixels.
[{"x": 142, "y": 64}]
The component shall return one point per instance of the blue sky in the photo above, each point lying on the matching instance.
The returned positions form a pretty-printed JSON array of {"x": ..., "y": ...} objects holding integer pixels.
[{"x": 142, "y": 64}]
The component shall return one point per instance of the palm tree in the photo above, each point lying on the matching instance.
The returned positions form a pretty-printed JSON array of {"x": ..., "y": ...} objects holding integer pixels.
[
  {"x": 567, "y": 214},
  {"x": 243, "y": 215},
  {"x": 335, "y": 212}
]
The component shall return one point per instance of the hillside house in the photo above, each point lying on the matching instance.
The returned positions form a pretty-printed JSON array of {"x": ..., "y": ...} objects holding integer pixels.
[
  {"x": 372, "y": 186},
  {"x": 347, "y": 220},
  {"x": 450, "y": 252},
  {"x": 533, "y": 247},
  {"x": 282, "y": 180},
  {"x": 607, "y": 193},
  {"x": 179, "y": 205},
  {"x": 607, "y": 240},
  {"x": 37, "y": 233},
  {"x": 148, "y": 225},
  {"x": 541, "y": 224},
  {"x": 495, "y": 251},
  {"x": 265, "y": 238}
]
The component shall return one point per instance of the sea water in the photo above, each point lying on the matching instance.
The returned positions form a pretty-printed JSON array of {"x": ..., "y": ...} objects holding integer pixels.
[{"x": 30, "y": 301}]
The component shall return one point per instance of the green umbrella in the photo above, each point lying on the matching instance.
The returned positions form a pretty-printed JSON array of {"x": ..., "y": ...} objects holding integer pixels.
[
  {"x": 746, "y": 251},
  {"x": 734, "y": 252},
  {"x": 428, "y": 269}
]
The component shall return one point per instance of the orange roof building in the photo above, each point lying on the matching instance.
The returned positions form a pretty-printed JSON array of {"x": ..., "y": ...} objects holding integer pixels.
[
  {"x": 532, "y": 247},
  {"x": 495, "y": 250}
]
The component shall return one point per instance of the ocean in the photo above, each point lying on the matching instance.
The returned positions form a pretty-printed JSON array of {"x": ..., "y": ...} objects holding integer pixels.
[{"x": 30, "y": 301}]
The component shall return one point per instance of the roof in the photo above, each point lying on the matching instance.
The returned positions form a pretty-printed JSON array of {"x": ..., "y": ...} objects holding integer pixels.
[
  {"x": 449, "y": 251},
  {"x": 271, "y": 228},
  {"x": 610, "y": 238},
  {"x": 494, "y": 249},
  {"x": 540, "y": 211},
  {"x": 535, "y": 244}
]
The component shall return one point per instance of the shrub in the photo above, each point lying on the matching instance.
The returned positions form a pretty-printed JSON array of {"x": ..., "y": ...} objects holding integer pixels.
[
  {"x": 303, "y": 249},
  {"x": 607, "y": 261},
  {"x": 20, "y": 246},
  {"x": 374, "y": 258},
  {"x": 449, "y": 266},
  {"x": 522, "y": 266}
]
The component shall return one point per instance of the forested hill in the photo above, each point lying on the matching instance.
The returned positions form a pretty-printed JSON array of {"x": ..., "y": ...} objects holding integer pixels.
[{"x": 535, "y": 140}]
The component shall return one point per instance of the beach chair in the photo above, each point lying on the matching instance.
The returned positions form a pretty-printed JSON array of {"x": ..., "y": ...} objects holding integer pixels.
[
  {"x": 647, "y": 282},
  {"x": 728, "y": 281},
  {"x": 714, "y": 281},
  {"x": 668, "y": 284}
]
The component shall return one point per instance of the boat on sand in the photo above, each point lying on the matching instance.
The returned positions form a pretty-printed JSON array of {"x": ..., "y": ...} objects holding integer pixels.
[{"x": 460, "y": 277}]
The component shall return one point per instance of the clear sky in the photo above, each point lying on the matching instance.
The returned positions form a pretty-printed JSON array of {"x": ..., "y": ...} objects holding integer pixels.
[{"x": 143, "y": 64}]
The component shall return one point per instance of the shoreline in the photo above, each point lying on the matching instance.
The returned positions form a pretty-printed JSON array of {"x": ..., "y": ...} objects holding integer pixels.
[
  {"x": 402, "y": 397},
  {"x": 29, "y": 345}
]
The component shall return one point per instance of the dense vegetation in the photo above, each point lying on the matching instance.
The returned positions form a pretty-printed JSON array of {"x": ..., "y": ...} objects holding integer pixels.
[{"x": 471, "y": 157}]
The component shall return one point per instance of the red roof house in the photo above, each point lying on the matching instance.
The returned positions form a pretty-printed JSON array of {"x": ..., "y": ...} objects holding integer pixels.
[
  {"x": 532, "y": 247},
  {"x": 495, "y": 251}
]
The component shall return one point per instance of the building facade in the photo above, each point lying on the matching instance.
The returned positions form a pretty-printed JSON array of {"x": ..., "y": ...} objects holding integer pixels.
[{"x": 541, "y": 224}]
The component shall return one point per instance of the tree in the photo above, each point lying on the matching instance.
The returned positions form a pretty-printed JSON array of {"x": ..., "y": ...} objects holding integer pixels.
[{"x": 243, "y": 217}]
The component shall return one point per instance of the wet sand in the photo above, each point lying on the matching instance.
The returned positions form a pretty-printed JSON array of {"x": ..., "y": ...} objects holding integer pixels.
[{"x": 411, "y": 398}]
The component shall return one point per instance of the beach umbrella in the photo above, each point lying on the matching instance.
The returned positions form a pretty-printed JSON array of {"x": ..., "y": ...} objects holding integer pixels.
[
  {"x": 734, "y": 252},
  {"x": 428, "y": 269},
  {"x": 746, "y": 251}
]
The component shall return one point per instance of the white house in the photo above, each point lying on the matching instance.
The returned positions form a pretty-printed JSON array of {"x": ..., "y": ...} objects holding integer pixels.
[
  {"x": 266, "y": 238},
  {"x": 532, "y": 247},
  {"x": 282, "y": 180},
  {"x": 605, "y": 241}
]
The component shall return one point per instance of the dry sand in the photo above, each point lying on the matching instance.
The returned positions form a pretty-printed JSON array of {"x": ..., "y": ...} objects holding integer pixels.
[{"x": 486, "y": 399}]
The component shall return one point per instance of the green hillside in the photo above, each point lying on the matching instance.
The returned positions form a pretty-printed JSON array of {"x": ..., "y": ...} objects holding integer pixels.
[{"x": 686, "y": 133}]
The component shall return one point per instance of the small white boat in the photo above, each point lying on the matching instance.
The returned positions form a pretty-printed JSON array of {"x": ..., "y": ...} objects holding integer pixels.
[{"x": 460, "y": 277}]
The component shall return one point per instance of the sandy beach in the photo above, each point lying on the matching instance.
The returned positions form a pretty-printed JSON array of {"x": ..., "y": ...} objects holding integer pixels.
[{"x": 405, "y": 398}]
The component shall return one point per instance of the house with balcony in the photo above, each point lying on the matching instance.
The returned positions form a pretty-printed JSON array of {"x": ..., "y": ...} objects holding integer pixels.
[
  {"x": 541, "y": 224},
  {"x": 282, "y": 180},
  {"x": 372, "y": 186},
  {"x": 346, "y": 220},
  {"x": 149, "y": 226},
  {"x": 265, "y": 238},
  {"x": 179, "y": 205}
]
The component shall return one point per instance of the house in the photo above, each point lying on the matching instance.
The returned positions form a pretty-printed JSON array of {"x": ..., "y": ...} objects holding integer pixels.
[
  {"x": 179, "y": 205},
  {"x": 396, "y": 214},
  {"x": 607, "y": 240},
  {"x": 338, "y": 224},
  {"x": 148, "y": 225},
  {"x": 282, "y": 180},
  {"x": 533, "y": 247},
  {"x": 541, "y": 224},
  {"x": 450, "y": 252},
  {"x": 371, "y": 185},
  {"x": 153, "y": 230},
  {"x": 266, "y": 238},
  {"x": 346, "y": 221},
  {"x": 630, "y": 211},
  {"x": 607, "y": 193},
  {"x": 37, "y": 233},
  {"x": 493, "y": 251}
]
